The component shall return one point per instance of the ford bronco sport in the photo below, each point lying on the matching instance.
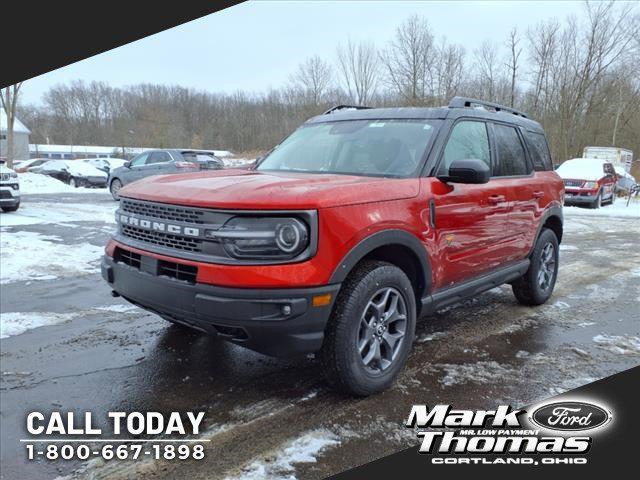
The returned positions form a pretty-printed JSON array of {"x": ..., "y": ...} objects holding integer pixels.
[{"x": 354, "y": 226}]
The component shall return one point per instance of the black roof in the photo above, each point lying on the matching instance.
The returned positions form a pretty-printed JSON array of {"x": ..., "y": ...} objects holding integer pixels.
[{"x": 449, "y": 112}]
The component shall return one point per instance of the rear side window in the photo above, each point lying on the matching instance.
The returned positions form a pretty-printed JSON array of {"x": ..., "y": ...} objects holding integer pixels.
[
  {"x": 511, "y": 157},
  {"x": 159, "y": 157},
  {"x": 539, "y": 151},
  {"x": 468, "y": 140}
]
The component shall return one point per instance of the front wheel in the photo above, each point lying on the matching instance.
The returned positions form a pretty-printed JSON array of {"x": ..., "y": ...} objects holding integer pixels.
[
  {"x": 536, "y": 286},
  {"x": 74, "y": 183},
  {"x": 597, "y": 203},
  {"x": 370, "y": 332},
  {"x": 114, "y": 188}
]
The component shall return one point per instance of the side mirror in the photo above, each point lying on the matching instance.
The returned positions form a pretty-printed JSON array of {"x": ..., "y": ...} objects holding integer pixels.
[
  {"x": 467, "y": 170},
  {"x": 127, "y": 164}
]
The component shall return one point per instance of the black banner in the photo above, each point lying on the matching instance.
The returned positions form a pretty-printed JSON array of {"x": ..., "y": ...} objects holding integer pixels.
[{"x": 41, "y": 37}]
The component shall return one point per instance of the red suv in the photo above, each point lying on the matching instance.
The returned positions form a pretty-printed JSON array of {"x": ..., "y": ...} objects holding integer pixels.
[{"x": 357, "y": 224}]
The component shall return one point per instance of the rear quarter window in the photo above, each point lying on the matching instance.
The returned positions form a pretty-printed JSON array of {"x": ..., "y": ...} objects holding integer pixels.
[{"x": 539, "y": 151}]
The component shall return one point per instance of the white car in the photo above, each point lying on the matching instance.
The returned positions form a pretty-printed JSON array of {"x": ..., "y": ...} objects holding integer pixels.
[
  {"x": 9, "y": 189},
  {"x": 73, "y": 172}
]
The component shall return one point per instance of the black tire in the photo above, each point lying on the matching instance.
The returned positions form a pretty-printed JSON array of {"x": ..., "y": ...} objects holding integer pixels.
[
  {"x": 597, "y": 203},
  {"x": 114, "y": 188},
  {"x": 528, "y": 289},
  {"x": 74, "y": 182},
  {"x": 342, "y": 361},
  {"x": 11, "y": 209}
]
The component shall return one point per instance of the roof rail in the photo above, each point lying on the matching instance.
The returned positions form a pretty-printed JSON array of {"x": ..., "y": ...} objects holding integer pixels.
[
  {"x": 462, "y": 102},
  {"x": 341, "y": 107}
]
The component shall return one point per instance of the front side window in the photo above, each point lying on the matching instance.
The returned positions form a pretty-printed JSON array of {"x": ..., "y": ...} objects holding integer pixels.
[
  {"x": 468, "y": 140},
  {"x": 511, "y": 156},
  {"x": 139, "y": 160},
  {"x": 384, "y": 148}
]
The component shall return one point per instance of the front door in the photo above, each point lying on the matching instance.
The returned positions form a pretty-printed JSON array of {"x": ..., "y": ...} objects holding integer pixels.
[{"x": 471, "y": 221}]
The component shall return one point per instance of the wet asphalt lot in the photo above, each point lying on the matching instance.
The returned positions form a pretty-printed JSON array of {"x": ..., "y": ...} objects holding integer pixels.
[{"x": 482, "y": 353}]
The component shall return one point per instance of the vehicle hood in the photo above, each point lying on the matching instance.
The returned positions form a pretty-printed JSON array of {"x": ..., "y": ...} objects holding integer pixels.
[
  {"x": 4, "y": 169},
  {"x": 242, "y": 189}
]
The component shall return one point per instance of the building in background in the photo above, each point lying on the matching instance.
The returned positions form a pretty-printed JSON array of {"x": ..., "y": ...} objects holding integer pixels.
[{"x": 20, "y": 138}]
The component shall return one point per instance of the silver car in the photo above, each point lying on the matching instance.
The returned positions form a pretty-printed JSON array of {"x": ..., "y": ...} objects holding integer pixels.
[{"x": 161, "y": 162}]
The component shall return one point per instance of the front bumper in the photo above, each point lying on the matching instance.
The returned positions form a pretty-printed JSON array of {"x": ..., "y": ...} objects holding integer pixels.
[
  {"x": 276, "y": 322},
  {"x": 579, "y": 198},
  {"x": 9, "y": 197}
]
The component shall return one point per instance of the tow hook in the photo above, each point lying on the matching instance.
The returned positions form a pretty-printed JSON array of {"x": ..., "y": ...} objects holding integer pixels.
[{"x": 114, "y": 294}]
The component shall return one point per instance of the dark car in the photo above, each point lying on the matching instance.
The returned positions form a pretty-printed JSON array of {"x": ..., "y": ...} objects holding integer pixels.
[
  {"x": 161, "y": 162},
  {"x": 74, "y": 172},
  {"x": 357, "y": 224}
]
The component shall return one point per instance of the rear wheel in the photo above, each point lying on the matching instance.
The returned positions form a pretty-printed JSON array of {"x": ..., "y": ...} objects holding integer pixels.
[
  {"x": 114, "y": 188},
  {"x": 536, "y": 286},
  {"x": 370, "y": 332}
]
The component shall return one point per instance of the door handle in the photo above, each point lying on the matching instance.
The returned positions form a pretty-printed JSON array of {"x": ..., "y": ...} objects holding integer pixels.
[
  {"x": 538, "y": 194},
  {"x": 494, "y": 199}
]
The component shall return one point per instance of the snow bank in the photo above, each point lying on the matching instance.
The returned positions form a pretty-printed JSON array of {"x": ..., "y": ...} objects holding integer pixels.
[
  {"x": 61, "y": 213},
  {"x": 33, "y": 183},
  {"x": 16, "y": 323},
  {"x": 282, "y": 464},
  {"x": 31, "y": 256}
]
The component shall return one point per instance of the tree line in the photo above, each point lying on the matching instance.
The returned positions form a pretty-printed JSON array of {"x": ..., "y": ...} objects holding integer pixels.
[{"x": 580, "y": 77}]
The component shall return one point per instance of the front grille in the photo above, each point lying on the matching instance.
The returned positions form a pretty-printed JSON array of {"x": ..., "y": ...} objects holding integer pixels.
[
  {"x": 177, "y": 242},
  {"x": 179, "y": 271},
  {"x": 129, "y": 258},
  {"x": 5, "y": 177},
  {"x": 187, "y": 273},
  {"x": 573, "y": 183},
  {"x": 164, "y": 212}
]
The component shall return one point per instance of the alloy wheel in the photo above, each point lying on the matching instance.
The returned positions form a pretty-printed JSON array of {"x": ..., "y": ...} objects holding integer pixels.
[
  {"x": 382, "y": 330},
  {"x": 547, "y": 266}
]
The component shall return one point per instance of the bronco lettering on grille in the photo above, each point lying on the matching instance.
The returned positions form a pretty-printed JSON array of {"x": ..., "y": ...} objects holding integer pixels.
[{"x": 159, "y": 226}]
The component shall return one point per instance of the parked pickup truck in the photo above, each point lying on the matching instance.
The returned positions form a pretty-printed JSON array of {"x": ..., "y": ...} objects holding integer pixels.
[{"x": 357, "y": 224}]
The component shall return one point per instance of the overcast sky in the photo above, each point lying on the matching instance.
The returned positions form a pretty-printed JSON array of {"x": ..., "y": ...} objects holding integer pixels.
[{"x": 258, "y": 44}]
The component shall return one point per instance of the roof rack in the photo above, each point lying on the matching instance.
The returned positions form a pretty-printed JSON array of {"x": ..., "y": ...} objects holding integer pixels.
[
  {"x": 341, "y": 107},
  {"x": 462, "y": 102}
]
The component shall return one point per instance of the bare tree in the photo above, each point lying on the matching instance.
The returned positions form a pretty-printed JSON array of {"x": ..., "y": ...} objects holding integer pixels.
[
  {"x": 9, "y": 102},
  {"x": 313, "y": 78},
  {"x": 359, "y": 70},
  {"x": 486, "y": 57},
  {"x": 512, "y": 66},
  {"x": 409, "y": 59}
]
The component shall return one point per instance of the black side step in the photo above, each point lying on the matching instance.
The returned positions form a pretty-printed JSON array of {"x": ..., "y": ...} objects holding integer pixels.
[{"x": 448, "y": 296}]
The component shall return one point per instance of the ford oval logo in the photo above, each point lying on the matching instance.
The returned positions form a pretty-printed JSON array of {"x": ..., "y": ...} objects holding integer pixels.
[{"x": 570, "y": 416}]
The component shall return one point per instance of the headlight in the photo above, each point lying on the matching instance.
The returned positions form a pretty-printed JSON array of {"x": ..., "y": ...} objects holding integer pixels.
[
  {"x": 591, "y": 185},
  {"x": 13, "y": 175},
  {"x": 263, "y": 237}
]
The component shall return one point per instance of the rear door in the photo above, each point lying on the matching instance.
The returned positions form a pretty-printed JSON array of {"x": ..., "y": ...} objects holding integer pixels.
[
  {"x": 471, "y": 220},
  {"x": 514, "y": 173},
  {"x": 160, "y": 163}
]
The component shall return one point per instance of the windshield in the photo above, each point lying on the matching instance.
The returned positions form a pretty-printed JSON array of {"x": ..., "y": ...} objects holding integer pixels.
[{"x": 385, "y": 148}]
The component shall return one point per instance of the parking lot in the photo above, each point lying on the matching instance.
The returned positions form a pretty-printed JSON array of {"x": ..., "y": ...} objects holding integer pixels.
[{"x": 65, "y": 339}]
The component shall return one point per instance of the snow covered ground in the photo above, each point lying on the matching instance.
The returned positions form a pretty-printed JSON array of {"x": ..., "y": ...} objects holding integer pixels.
[
  {"x": 618, "y": 209},
  {"x": 60, "y": 213},
  {"x": 32, "y": 256}
]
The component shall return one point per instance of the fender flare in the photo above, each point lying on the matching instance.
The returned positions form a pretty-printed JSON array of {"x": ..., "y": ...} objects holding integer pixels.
[
  {"x": 381, "y": 239},
  {"x": 554, "y": 211}
]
